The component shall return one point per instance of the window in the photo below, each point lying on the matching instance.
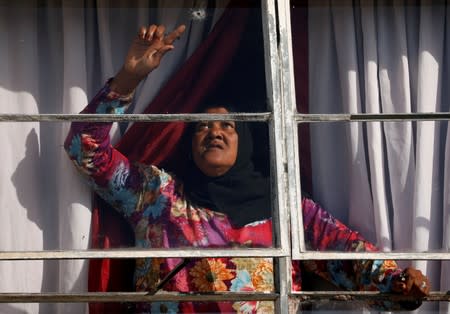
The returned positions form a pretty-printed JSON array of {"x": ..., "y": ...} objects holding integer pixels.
[{"x": 85, "y": 61}]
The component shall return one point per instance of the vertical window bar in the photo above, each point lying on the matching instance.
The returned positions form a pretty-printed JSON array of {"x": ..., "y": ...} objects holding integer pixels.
[
  {"x": 277, "y": 153},
  {"x": 276, "y": 131},
  {"x": 290, "y": 110}
]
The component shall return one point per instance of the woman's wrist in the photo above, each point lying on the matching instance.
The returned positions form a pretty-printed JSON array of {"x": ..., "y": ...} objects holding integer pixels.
[{"x": 124, "y": 83}]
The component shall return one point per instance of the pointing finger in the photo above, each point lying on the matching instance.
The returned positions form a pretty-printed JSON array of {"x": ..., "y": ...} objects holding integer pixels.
[{"x": 170, "y": 38}]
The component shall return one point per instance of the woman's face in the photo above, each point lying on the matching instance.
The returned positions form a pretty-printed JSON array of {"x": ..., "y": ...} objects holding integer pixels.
[{"x": 215, "y": 145}]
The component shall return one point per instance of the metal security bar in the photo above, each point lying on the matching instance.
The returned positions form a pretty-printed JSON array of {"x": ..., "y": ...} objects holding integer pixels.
[
  {"x": 365, "y": 296},
  {"x": 246, "y": 116},
  {"x": 84, "y": 117},
  {"x": 238, "y": 296},
  {"x": 141, "y": 253},
  {"x": 372, "y": 117},
  {"x": 274, "y": 90},
  {"x": 133, "y": 297},
  {"x": 276, "y": 131}
]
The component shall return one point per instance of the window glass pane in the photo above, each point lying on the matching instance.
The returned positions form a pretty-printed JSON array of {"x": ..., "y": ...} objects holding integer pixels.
[
  {"x": 379, "y": 183},
  {"x": 370, "y": 57}
]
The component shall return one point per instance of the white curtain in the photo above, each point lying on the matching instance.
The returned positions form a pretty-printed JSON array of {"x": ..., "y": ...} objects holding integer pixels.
[
  {"x": 53, "y": 58},
  {"x": 387, "y": 180}
]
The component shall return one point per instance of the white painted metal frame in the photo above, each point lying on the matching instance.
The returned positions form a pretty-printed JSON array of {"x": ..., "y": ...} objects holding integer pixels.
[
  {"x": 278, "y": 157},
  {"x": 276, "y": 131}
]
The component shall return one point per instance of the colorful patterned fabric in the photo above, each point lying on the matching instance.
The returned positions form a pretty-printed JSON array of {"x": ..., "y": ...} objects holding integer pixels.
[{"x": 152, "y": 201}]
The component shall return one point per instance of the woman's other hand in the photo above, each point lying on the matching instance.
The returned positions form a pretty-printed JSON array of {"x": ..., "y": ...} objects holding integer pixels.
[
  {"x": 144, "y": 55},
  {"x": 411, "y": 282}
]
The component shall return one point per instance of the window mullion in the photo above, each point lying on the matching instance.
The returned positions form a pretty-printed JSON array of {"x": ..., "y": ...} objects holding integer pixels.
[{"x": 277, "y": 152}]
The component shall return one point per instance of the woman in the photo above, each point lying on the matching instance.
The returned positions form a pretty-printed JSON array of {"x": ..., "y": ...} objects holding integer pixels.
[{"x": 221, "y": 202}]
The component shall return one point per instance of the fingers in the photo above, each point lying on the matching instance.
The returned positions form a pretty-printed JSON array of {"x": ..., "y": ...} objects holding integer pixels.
[
  {"x": 146, "y": 33},
  {"x": 142, "y": 32},
  {"x": 421, "y": 282},
  {"x": 157, "y": 32},
  {"x": 152, "y": 43},
  {"x": 150, "y": 32},
  {"x": 415, "y": 283}
]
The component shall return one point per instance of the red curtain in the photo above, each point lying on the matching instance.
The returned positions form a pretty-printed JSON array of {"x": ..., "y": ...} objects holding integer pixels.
[{"x": 155, "y": 143}]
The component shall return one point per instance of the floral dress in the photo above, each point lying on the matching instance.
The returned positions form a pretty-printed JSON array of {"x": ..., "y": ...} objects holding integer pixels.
[{"x": 154, "y": 204}]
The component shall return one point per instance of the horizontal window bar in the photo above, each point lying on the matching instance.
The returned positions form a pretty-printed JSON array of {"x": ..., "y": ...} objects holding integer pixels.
[
  {"x": 162, "y": 117},
  {"x": 132, "y": 297},
  {"x": 225, "y": 252},
  {"x": 141, "y": 253},
  {"x": 362, "y": 117},
  {"x": 366, "y": 295},
  {"x": 316, "y": 255},
  {"x": 225, "y": 296},
  {"x": 251, "y": 117}
]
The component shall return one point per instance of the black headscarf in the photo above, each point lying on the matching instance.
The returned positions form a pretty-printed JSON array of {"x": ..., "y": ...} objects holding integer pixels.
[{"x": 242, "y": 193}]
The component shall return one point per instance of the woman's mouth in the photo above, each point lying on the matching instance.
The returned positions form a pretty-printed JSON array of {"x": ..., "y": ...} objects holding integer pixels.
[{"x": 214, "y": 145}]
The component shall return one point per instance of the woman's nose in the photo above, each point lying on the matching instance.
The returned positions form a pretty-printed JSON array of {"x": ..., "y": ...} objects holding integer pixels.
[{"x": 215, "y": 130}]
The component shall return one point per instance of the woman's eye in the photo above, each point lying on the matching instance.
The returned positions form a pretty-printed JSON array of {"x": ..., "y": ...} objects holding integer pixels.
[
  {"x": 201, "y": 126},
  {"x": 228, "y": 125}
]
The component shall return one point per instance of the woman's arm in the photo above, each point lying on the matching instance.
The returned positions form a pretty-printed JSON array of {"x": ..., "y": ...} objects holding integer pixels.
[
  {"x": 324, "y": 232},
  {"x": 88, "y": 144}
]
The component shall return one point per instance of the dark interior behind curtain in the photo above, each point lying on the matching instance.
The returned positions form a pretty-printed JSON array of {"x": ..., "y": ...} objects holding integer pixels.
[{"x": 229, "y": 62}]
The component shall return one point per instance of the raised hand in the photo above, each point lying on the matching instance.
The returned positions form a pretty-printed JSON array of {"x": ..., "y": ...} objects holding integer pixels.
[
  {"x": 144, "y": 55},
  {"x": 148, "y": 48}
]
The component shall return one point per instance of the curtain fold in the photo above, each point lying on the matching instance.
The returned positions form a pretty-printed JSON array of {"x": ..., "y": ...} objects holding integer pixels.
[
  {"x": 23, "y": 209},
  {"x": 396, "y": 97},
  {"x": 74, "y": 201}
]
